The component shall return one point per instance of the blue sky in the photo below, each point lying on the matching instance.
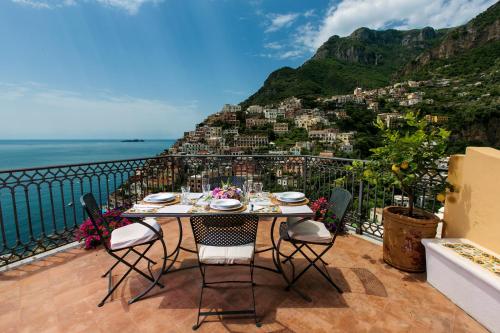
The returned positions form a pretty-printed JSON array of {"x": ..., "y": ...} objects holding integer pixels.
[{"x": 154, "y": 68}]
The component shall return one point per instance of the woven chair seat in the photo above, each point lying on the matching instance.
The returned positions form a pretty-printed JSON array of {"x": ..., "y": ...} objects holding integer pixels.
[{"x": 133, "y": 234}]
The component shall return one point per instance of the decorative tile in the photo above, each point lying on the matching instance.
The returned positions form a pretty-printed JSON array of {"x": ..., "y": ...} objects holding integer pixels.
[{"x": 478, "y": 256}]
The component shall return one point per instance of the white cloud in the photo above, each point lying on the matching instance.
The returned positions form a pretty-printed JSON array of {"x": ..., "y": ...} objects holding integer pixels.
[
  {"x": 347, "y": 15},
  {"x": 279, "y": 21},
  {"x": 36, "y": 111},
  {"x": 273, "y": 46},
  {"x": 130, "y": 6}
]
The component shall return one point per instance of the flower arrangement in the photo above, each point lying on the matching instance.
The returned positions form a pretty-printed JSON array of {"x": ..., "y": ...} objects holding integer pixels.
[
  {"x": 227, "y": 191},
  {"x": 321, "y": 208},
  {"x": 88, "y": 233}
]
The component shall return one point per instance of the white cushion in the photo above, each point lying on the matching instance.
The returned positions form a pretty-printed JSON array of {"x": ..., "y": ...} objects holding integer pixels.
[
  {"x": 226, "y": 255},
  {"x": 293, "y": 220},
  {"x": 133, "y": 234},
  {"x": 310, "y": 231}
]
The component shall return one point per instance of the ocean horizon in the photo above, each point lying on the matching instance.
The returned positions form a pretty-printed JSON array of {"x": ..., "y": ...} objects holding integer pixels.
[{"x": 15, "y": 154}]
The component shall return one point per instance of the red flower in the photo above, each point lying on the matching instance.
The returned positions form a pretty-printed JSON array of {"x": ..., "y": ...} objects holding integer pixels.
[{"x": 88, "y": 233}]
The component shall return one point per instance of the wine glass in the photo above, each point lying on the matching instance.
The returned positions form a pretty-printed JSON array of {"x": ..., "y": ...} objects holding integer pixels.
[{"x": 185, "y": 194}]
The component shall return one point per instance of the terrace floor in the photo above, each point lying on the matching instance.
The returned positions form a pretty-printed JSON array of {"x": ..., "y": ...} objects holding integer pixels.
[{"x": 60, "y": 294}]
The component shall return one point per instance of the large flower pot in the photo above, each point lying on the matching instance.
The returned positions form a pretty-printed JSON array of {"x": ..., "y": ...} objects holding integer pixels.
[{"x": 402, "y": 237}]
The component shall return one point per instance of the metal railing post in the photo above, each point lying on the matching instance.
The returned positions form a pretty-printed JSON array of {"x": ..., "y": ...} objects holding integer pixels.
[
  {"x": 359, "y": 228},
  {"x": 305, "y": 173}
]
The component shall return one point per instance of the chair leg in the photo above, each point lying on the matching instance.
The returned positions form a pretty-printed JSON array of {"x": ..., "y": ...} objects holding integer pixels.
[
  {"x": 312, "y": 263},
  {"x": 116, "y": 263},
  {"x": 320, "y": 259},
  {"x": 290, "y": 257},
  {"x": 197, "y": 325},
  {"x": 257, "y": 323}
]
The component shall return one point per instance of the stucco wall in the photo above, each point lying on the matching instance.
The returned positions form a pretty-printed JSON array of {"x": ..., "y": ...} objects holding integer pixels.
[{"x": 473, "y": 211}]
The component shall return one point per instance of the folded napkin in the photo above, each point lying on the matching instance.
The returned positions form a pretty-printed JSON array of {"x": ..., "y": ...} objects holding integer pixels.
[
  {"x": 145, "y": 206},
  {"x": 296, "y": 209},
  {"x": 175, "y": 209}
]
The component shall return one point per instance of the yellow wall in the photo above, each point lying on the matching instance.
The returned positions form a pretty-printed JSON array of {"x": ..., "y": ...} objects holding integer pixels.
[{"x": 473, "y": 211}]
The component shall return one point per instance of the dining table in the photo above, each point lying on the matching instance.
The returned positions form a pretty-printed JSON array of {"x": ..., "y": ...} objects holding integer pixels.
[{"x": 266, "y": 206}]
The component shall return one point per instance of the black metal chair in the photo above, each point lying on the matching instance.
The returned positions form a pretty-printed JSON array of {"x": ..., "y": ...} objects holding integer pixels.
[
  {"x": 141, "y": 233},
  {"x": 304, "y": 233},
  {"x": 233, "y": 180},
  {"x": 224, "y": 240}
]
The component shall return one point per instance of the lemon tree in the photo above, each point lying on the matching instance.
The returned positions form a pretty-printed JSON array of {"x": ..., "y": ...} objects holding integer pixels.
[{"x": 407, "y": 155}]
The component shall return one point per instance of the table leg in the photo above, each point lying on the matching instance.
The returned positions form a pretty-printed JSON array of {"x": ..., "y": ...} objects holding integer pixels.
[{"x": 177, "y": 250}]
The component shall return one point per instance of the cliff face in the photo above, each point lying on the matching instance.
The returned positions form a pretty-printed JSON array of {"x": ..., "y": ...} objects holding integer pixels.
[
  {"x": 371, "y": 47},
  {"x": 482, "y": 30}
]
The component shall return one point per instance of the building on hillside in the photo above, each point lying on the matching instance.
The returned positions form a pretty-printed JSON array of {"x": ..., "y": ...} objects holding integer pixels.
[
  {"x": 274, "y": 114},
  {"x": 256, "y": 122},
  {"x": 437, "y": 119},
  {"x": 327, "y": 135},
  {"x": 193, "y": 148},
  {"x": 255, "y": 109},
  {"x": 392, "y": 119},
  {"x": 231, "y": 108},
  {"x": 358, "y": 92},
  {"x": 280, "y": 128},
  {"x": 251, "y": 141},
  {"x": 215, "y": 131},
  {"x": 326, "y": 153},
  {"x": 230, "y": 131},
  {"x": 346, "y": 137},
  {"x": 373, "y": 106},
  {"x": 346, "y": 147},
  {"x": 341, "y": 114},
  {"x": 229, "y": 118},
  {"x": 307, "y": 121}
]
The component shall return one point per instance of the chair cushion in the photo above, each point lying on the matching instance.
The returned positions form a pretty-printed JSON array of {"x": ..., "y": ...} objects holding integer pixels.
[
  {"x": 290, "y": 221},
  {"x": 310, "y": 231},
  {"x": 133, "y": 234},
  {"x": 226, "y": 255}
]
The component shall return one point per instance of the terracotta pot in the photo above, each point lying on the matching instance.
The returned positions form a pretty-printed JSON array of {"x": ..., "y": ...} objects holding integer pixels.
[{"x": 402, "y": 237}]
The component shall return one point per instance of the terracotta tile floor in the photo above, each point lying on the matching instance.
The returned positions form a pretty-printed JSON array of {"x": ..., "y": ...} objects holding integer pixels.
[{"x": 61, "y": 292}]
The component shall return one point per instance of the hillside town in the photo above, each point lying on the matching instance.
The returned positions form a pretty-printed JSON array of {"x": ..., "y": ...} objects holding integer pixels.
[{"x": 289, "y": 128}]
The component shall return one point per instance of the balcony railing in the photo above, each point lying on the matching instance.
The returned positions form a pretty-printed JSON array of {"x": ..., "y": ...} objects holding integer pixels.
[{"x": 40, "y": 210}]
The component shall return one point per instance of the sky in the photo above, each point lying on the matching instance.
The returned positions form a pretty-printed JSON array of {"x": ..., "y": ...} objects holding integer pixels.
[{"x": 152, "y": 69}]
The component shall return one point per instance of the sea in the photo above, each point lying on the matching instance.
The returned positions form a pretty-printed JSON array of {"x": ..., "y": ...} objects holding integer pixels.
[
  {"x": 16, "y": 154},
  {"x": 23, "y": 224}
]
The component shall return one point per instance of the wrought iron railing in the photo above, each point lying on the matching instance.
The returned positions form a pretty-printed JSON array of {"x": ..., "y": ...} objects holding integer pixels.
[{"x": 40, "y": 210}]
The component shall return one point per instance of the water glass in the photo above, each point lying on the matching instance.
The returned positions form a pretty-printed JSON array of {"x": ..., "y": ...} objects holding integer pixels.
[
  {"x": 185, "y": 194},
  {"x": 205, "y": 188},
  {"x": 258, "y": 187}
]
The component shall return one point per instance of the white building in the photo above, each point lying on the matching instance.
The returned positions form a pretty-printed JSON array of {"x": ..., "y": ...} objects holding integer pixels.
[{"x": 255, "y": 109}]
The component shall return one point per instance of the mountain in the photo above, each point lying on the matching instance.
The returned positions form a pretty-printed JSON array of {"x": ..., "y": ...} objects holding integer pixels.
[
  {"x": 463, "y": 50},
  {"x": 371, "y": 58}
]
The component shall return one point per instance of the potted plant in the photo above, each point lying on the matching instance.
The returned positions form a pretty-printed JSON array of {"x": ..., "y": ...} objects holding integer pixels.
[{"x": 408, "y": 156}]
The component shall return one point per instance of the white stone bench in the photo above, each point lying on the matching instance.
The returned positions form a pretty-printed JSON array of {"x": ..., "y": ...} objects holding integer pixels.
[{"x": 471, "y": 286}]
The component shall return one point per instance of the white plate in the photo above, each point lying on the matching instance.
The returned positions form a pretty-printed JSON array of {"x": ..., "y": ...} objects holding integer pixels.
[
  {"x": 225, "y": 204},
  {"x": 291, "y": 196},
  {"x": 159, "y": 197}
]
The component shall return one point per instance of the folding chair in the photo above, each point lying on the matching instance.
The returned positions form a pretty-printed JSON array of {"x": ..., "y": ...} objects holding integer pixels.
[
  {"x": 304, "y": 233},
  {"x": 225, "y": 240},
  {"x": 141, "y": 233}
]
